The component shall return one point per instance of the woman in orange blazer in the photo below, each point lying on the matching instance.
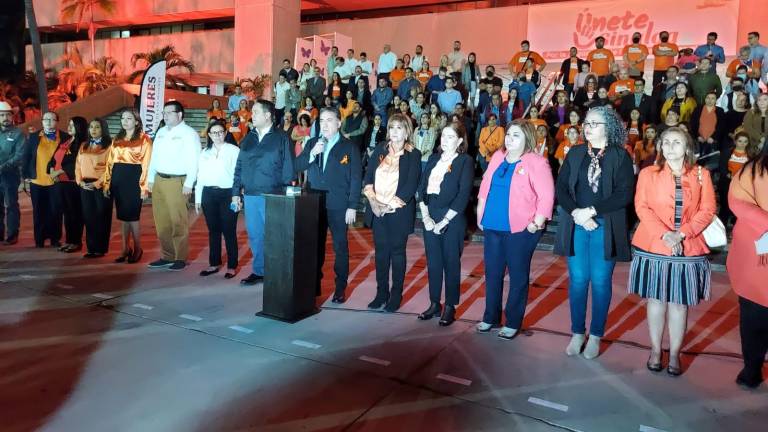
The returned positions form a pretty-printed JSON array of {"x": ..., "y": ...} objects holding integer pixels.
[
  {"x": 748, "y": 270},
  {"x": 675, "y": 202}
]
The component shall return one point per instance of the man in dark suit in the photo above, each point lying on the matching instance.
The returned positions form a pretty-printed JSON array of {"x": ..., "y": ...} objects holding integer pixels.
[
  {"x": 334, "y": 172},
  {"x": 637, "y": 99},
  {"x": 358, "y": 76},
  {"x": 316, "y": 87}
]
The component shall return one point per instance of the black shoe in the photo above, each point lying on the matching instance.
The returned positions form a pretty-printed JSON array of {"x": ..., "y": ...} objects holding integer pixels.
[
  {"x": 161, "y": 263},
  {"x": 178, "y": 266},
  {"x": 229, "y": 274},
  {"x": 135, "y": 257},
  {"x": 378, "y": 302},
  {"x": 252, "y": 279},
  {"x": 674, "y": 371},
  {"x": 11, "y": 240},
  {"x": 209, "y": 272},
  {"x": 393, "y": 304},
  {"x": 449, "y": 316},
  {"x": 73, "y": 248},
  {"x": 124, "y": 257},
  {"x": 338, "y": 298},
  {"x": 653, "y": 367},
  {"x": 433, "y": 311},
  {"x": 747, "y": 382},
  {"x": 89, "y": 255}
]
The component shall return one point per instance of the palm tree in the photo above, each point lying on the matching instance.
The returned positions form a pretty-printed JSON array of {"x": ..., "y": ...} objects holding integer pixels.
[
  {"x": 78, "y": 9},
  {"x": 82, "y": 79},
  {"x": 37, "y": 49},
  {"x": 173, "y": 59}
]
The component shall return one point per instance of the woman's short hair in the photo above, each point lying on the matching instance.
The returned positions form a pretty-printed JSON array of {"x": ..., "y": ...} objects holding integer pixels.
[
  {"x": 461, "y": 132},
  {"x": 690, "y": 148},
  {"x": 615, "y": 132},
  {"x": 529, "y": 132},
  {"x": 405, "y": 122}
]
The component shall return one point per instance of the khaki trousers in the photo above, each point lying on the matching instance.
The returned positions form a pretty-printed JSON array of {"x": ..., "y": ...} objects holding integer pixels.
[{"x": 169, "y": 209}]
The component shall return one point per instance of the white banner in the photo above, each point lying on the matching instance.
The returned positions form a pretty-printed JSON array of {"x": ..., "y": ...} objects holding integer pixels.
[
  {"x": 152, "y": 97},
  {"x": 553, "y": 28}
]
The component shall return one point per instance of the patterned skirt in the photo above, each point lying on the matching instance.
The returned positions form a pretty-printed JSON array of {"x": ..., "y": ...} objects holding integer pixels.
[{"x": 681, "y": 280}]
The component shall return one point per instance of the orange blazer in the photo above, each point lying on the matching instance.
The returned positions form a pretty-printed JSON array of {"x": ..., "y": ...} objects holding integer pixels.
[{"x": 655, "y": 206}]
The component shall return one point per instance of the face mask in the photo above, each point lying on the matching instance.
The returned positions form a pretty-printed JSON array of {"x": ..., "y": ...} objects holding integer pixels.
[
  {"x": 636, "y": 40},
  {"x": 737, "y": 87},
  {"x": 665, "y": 39},
  {"x": 742, "y": 76}
]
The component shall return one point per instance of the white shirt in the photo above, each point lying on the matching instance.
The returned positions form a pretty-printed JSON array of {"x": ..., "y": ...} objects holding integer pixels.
[
  {"x": 175, "y": 152},
  {"x": 350, "y": 64},
  {"x": 438, "y": 173},
  {"x": 367, "y": 67},
  {"x": 216, "y": 169},
  {"x": 280, "y": 91},
  {"x": 417, "y": 62},
  {"x": 387, "y": 62},
  {"x": 344, "y": 70}
]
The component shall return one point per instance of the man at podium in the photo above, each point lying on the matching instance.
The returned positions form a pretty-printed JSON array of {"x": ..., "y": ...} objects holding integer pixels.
[{"x": 334, "y": 172}]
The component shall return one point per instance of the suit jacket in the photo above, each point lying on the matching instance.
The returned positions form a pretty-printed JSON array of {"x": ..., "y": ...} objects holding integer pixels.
[
  {"x": 342, "y": 176},
  {"x": 565, "y": 67},
  {"x": 316, "y": 88},
  {"x": 628, "y": 104},
  {"x": 455, "y": 188},
  {"x": 29, "y": 164},
  {"x": 720, "y": 128},
  {"x": 407, "y": 184},
  {"x": 353, "y": 82}
]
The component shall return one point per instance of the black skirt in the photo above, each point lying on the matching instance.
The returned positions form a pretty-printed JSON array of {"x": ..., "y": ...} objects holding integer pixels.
[{"x": 126, "y": 191}]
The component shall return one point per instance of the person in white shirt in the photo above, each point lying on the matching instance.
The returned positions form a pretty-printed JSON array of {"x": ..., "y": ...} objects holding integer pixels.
[
  {"x": 279, "y": 96},
  {"x": 365, "y": 64},
  {"x": 387, "y": 61},
  {"x": 350, "y": 63},
  {"x": 233, "y": 103},
  {"x": 213, "y": 193},
  {"x": 417, "y": 62},
  {"x": 172, "y": 173},
  {"x": 457, "y": 60}
]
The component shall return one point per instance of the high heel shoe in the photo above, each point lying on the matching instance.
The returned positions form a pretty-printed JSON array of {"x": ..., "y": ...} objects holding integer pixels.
[
  {"x": 433, "y": 311},
  {"x": 134, "y": 258},
  {"x": 674, "y": 371},
  {"x": 448, "y": 317},
  {"x": 653, "y": 367},
  {"x": 124, "y": 256}
]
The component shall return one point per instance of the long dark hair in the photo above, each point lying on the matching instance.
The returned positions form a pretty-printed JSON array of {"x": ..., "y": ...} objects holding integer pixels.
[
  {"x": 758, "y": 163},
  {"x": 136, "y": 132},
  {"x": 106, "y": 139},
  {"x": 81, "y": 130}
]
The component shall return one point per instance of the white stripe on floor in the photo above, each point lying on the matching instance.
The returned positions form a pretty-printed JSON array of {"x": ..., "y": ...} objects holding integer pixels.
[
  {"x": 375, "y": 360},
  {"x": 102, "y": 296},
  {"x": 548, "y": 404},
  {"x": 453, "y": 379},
  {"x": 644, "y": 428},
  {"x": 305, "y": 344},
  {"x": 143, "y": 306},
  {"x": 190, "y": 317},
  {"x": 240, "y": 329}
]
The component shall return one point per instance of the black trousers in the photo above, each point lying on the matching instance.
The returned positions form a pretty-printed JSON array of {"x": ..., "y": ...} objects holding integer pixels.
[
  {"x": 97, "y": 215},
  {"x": 444, "y": 260},
  {"x": 221, "y": 221},
  {"x": 389, "y": 241},
  {"x": 46, "y": 217},
  {"x": 9, "y": 203},
  {"x": 658, "y": 77},
  {"x": 753, "y": 327},
  {"x": 66, "y": 199},
  {"x": 332, "y": 219}
]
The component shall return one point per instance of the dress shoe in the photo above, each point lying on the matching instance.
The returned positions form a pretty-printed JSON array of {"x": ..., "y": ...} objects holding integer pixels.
[
  {"x": 161, "y": 263},
  {"x": 229, "y": 274},
  {"x": 12, "y": 240},
  {"x": 209, "y": 272},
  {"x": 378, "y": 302},
  {"x": 123, "y": 257},
  {"x": 73, "y": 248},
  {"x": 338, "y": 298},
  {"x": 393, "y": 304},
  {"x": 747, "y": 382},
  {"x": 93, "y": 255},
  {"x": 448, "y": 316},
  {"x": 177, "y": 266},
  {"x": 674, "y": 370},
  {"x": 431, "y": 312},
  {"x": 135, "y": 257},
  {"x": 252, "y": 279},
  {"x": 653, "y": 366}
]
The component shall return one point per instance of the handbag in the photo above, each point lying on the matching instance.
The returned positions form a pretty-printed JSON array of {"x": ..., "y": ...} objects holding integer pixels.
[{"x": 714, "y": 234}]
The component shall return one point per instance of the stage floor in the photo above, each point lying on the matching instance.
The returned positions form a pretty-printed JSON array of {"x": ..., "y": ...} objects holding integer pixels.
[{"x": 88, "y": 345}]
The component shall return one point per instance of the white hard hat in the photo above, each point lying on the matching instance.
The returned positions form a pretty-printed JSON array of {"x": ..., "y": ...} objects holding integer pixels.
[{"x": 5, "y": 107}]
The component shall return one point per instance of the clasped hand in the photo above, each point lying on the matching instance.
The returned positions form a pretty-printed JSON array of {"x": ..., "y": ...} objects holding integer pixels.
[
  {"x": 674, "y": 241},
  {"x": 583, "y": 218}
]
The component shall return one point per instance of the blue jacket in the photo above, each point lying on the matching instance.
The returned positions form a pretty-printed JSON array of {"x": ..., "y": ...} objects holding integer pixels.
[
  {"x": 342, "y": 176},
  {"x": 718, "y": 55},
  {"x": 434, "y": 85},
  {"x": 29, "y": 162},
  {"x": 525, "y": 90},
  {"x": 404, "y": 90},
  {"x": 381, "y": 98},
  {"x": 264, "y": 165}
]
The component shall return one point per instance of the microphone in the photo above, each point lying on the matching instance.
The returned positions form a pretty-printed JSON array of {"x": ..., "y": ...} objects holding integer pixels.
[{"x": 321, "y": 140}]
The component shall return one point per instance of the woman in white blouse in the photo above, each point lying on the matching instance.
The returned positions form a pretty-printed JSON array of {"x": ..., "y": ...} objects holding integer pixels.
[{"x": 213, "y": 193}]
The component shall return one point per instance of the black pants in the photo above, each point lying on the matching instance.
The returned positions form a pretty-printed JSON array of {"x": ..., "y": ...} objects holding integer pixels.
[
  {"x": 333, "y": 220},
  {"x": 444, "y": 259},
  {"x": 46, "y": 217},
  {"x": 658, "y": 77},
  {"x": 754, "y": 338},
  {"x": 9, "y": 203},
  {"x": 389, "y": 240},
  {"x": 97, "y": 215},
  {"x": 67, "y": 199},
  {"x": 221, "y": 221}
]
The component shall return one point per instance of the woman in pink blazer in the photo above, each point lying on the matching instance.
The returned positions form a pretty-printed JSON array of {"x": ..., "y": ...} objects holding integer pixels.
[{"x": 515, "y": 201}]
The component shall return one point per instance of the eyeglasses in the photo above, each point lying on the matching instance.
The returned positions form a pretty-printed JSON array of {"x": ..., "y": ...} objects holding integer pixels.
[
  {"x": 217, "y": 133},
  {"x": 593, "y": 124}
]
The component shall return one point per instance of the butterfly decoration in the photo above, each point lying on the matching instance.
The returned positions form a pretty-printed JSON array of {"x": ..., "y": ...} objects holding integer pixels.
[
  {"x": 344, "y": 160},
  {"x": 306, "y": 52},
  {"x": 324, "y": 49}
]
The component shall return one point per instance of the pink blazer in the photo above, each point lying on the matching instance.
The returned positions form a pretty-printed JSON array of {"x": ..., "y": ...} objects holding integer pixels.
[{"x": 532, "y": 192}]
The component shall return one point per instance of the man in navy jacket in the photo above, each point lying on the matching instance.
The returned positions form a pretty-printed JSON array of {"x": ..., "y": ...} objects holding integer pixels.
[{"x": 334, "y": 172}]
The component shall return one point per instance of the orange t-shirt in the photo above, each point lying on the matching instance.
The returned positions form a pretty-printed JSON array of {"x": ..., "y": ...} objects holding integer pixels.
[
  {"x": 537, "y": 122},
  {"x": 423, "y": 77},
  {"x": 731, "y": 70},
  {"x": 737, "y": 160},
  {"x": 600, "y": 60},
  {"x": 635, "y": 53},
  {"x": 517, "y": 62},
  {"x": 561, "y": 131},
  {"x": 621, "y": 86},
  {"x": 663, "y": 62},
  {"x": 633, "y": 134},
  {"x": 642, "y": 153},
  {"x": 563, "y": 148},
  {"x": 573, "y": 71},
  {"x": 396, "y": 76}
]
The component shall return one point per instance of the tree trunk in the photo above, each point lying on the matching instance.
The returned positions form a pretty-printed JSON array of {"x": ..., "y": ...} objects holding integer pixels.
[
  {"x": 92, "y": 37},
  {"x": 37, "y": 49}
]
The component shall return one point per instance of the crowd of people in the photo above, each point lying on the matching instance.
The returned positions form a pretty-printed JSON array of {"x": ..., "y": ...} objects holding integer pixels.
[{"x": 631, "y": 170}]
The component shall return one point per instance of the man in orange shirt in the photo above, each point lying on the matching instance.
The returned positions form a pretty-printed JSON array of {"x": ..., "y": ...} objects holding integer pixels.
[
  {"x": 635, "y": 55},
  {"x": 664, "y": 54},
  {"x": 622, "y": 87},
  {"x": 517, "y": 63},
  {"x": 601, "y": 59}
]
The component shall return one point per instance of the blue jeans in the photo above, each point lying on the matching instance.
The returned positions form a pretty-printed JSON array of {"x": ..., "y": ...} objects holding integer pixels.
[
  {"x": 589, "y": 265},
  {"x": 255, "y": 216},
  {"x": 9, "y": 203}
]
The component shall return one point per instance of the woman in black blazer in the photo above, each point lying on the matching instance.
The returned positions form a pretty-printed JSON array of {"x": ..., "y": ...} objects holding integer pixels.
[
  {"x": 66, "y": 194},
  {"x": 443, "y": 196},
  {"x": 390, "y": 185}
]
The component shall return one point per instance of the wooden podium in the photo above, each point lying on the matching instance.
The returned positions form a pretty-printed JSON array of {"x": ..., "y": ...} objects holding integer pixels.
[{"x": 290, "y": 256}]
